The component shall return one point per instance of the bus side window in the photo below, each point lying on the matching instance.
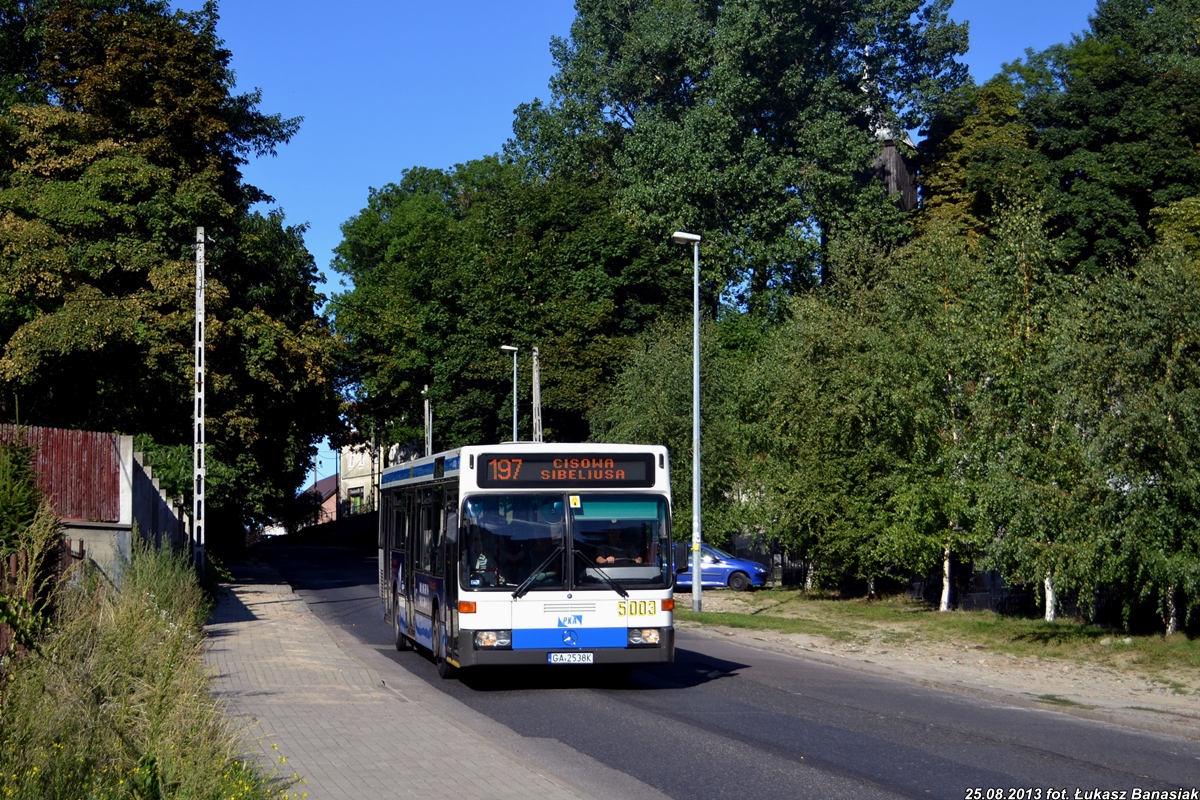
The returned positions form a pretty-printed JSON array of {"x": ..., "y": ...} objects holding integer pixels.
[
  {"x": 399, "y": 517},
  {"x": 414, "y": 530},
  {"x": 382, "y": 534},
  {"x": 426, "y": 535},
  {"x": 450, "y": 532},
  {"x": 411, "y": 538},
  {"x": 432, "y": 512},
  {"x": 439, "y": 531}
]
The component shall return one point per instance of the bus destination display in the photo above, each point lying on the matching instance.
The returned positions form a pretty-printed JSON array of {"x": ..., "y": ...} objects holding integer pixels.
[{"x": 531, "y": 471}]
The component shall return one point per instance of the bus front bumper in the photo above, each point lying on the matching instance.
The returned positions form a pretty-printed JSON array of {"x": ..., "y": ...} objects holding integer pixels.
[{"x": 469, "y": 656}]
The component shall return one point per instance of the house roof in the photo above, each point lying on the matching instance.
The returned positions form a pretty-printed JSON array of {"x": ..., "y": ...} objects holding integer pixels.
[{"x": 325, "y": 487}]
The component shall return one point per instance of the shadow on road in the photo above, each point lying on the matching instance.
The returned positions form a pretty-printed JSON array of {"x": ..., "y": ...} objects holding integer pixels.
[{"x": 690, "y": 669}]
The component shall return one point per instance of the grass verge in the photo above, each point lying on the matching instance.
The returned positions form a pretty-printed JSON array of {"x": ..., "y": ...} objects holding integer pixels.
[
  {"x": 1055, "y": 700},
  {"x": 114, "y": 701},
  {"x": 898, "y": 621}
]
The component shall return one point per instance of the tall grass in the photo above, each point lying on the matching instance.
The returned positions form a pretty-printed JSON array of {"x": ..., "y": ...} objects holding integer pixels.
[{"x": 114, "y": 703}]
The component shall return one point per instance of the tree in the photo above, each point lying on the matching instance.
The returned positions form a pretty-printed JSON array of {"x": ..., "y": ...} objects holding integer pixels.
[
  {"x": 1118, "y": 117},
  {"x": 449, "y": 265},
  {"x": 21, "y": 30},
  {"x": 753, "y": 123},
  {"x": 1133, "y": 372},
  {"x": 930, "y": 301},
  {"x": 651, "y": 403},
  {"x": 1101, "y": 133},
  {"x": 980, "y": 157},
  {"x": 1037, "y": 489},
  {"x": 830, "y": 427},
  {"x": 101, "y": 189}
]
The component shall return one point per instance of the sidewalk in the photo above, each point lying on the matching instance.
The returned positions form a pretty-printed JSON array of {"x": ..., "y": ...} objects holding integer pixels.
[{"x": 306, "y": 699}]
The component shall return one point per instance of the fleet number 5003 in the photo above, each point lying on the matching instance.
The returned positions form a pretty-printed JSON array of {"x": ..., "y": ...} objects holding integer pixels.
[{"x": 637, "y": 608}]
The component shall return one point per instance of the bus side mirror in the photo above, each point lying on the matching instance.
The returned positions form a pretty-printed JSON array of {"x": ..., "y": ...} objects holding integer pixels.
[{"x": 681, "y": 556}]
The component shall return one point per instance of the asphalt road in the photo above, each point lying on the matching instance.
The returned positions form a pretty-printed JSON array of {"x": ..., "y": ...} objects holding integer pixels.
[{"x": 728, "y": 720}]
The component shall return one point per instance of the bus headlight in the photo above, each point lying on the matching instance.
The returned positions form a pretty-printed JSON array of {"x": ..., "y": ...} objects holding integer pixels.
[
  {"x": 493, "y": 640},
  {"x": 644, "y": 637}
]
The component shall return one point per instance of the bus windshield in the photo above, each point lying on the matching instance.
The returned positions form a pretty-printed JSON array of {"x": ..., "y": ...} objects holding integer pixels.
[
  {"x": 508, "y": 539},
  {"x": 620, "y": 538}
]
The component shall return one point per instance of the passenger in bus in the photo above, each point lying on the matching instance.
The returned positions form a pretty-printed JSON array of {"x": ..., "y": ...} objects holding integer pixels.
[{"x": 479, "y": 563}]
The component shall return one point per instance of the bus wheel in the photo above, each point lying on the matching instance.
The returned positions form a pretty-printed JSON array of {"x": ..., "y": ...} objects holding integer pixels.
[
  {"x": 402, "y": 641},
  {"x": 739, "y": 581},
  {"x": 439, "y": 649}
]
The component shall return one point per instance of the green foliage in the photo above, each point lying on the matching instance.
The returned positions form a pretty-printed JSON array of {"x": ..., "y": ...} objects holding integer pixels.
[
  {"x": 21, "y": 30},
  {"x": 980, "y": 156},
  {"x": 1178, "y": 224},
  {"x": 19, "y": 493},
  {"x": 273, "y": 372},
  {"x": 172, "y": 464},
  {"x": 101, "y": 190},
  {"x": 29, "y": 529},
  {"x": 1007, "y": 378},
  {"x": 1103, "y": 128},
  {"x": 651, "y": 403},
  {"x": 832, "y": 428},
  {"x": 751, "y": 123},
  {"x": 115, "y": 703},
  {"x": 448, "y": 266},
  {"x": 1134, "y": 362}
]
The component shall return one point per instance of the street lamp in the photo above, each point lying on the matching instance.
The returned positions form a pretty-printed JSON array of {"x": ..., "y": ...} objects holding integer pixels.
[
  {"x": 508, "y": 348},
  {"x": 680, "y": 237}
]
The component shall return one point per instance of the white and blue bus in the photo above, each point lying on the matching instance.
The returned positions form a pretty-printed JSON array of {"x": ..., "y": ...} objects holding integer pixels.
[{"x": 530, "y": 553}]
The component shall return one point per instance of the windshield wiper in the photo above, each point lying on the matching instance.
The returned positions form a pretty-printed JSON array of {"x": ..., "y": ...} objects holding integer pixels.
[
  {"x": 616, "y": 587},
  {"x": 525, "y": 584}
]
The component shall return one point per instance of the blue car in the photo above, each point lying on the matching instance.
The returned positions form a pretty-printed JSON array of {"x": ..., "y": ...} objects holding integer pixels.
[{"x": 718, "y": 568}]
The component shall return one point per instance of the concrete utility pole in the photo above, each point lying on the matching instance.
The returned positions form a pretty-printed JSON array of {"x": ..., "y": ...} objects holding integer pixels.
[
  {"x": 198, "y": 464},
  {"x": 537, "y": 397}
]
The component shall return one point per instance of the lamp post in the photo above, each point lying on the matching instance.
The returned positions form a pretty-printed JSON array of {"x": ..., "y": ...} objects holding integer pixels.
[
  {"x": 680, "y": 237},
  {"x": 508, "y": 348}
]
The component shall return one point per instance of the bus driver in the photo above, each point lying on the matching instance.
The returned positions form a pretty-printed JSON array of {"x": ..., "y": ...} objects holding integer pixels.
[{"x": 615, "y": 551}]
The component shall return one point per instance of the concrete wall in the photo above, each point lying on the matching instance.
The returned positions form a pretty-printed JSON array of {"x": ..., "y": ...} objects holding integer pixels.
[{"x": 145, "y": 508}]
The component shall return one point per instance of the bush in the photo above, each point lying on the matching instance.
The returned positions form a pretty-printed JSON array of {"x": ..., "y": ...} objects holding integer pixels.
[
  {"x": 20, "y": 497},
  {"x": 115, "y": 703}
]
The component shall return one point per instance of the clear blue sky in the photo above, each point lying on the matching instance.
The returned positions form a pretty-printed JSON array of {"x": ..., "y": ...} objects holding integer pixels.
[{"x": 384, "y": 85}]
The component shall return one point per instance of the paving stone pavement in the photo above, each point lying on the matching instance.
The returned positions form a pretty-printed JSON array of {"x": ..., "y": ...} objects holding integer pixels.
[{"x": 304, "y": 698}]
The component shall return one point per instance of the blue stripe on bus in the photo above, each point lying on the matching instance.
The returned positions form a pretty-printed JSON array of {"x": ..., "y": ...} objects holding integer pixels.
[
  {"x": 406, "y": 473},
  {"x": 556, "y": 638}
]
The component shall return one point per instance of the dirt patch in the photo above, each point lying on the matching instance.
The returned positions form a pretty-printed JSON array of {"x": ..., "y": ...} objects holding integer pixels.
[{"x": 1084, "y": 689}]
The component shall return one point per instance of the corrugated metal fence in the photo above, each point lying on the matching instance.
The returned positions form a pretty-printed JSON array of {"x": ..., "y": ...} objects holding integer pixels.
[{"x": 79, "y": 471}]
